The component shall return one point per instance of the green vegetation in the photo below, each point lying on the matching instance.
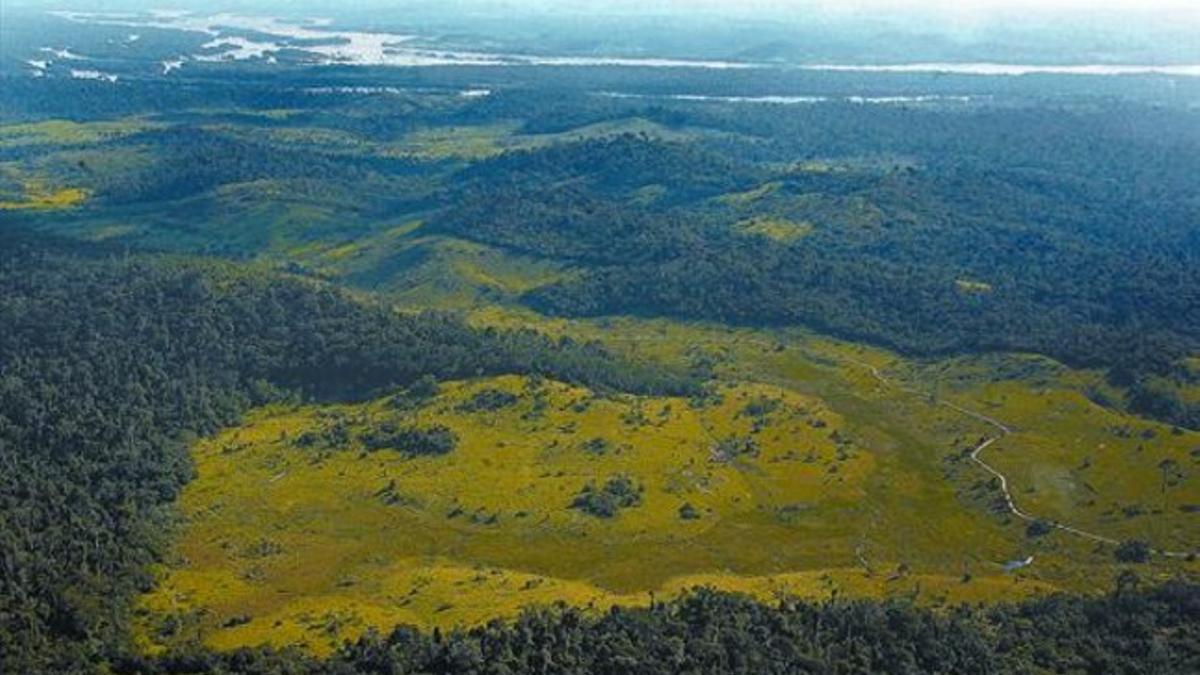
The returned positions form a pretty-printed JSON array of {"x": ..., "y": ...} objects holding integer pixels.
[
  {"x": 886, "y": 468},
  {"x": 896, "y": 233},
  {"x": 489, "y": 400},
  {"x": 412, "y": 442},
  {"x": 67, "y": 132},
  {"x": 1129, "y": 631},
  {"x": 111, "y": 365},
  {"x": 782, "y": 231},
  {"x": 304, "y": 377},
  {"x": 489, "y": 527},
  {"x": 1132, "y": 551},
  {"x": 879, "y": 263},
  {"x": 618, "y": 492}
]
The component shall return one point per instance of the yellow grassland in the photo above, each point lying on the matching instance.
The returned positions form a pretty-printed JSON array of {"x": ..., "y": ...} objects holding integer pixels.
[
  {"x": 969, "y": 286},
  {"x": 779, "y": 229},
  {"x": 853, "y": 492},
  {"x": 41, "y": 197},
  {"x": 70, "y": 132},
  {"x": 749, "y": 196},
  {"x": 300, "y": 542}
]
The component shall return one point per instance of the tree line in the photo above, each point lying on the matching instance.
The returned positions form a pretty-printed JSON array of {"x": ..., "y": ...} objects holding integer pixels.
[{"x": 1128, "y": 631}]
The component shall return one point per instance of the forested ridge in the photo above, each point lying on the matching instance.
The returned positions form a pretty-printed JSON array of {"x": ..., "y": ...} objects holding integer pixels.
[
  {"x": 931, "y": 259},
  {"x": 1072, "y": 225},
  {"x": 108, "y": 366},
  {"x": 883, "y": 260}
]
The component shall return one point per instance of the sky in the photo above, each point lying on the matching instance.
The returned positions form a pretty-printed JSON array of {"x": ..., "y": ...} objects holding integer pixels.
[
  {"x": 966, "y": 5},
  {"x": 937, "y": 16},
  {"x": 942, "y": 9},
  {"x": 888, "y": 6},
  {"x": 980, "y": 9},
  {"x": 750, "y": 6},
  {"x": 1158, "y": 31}
]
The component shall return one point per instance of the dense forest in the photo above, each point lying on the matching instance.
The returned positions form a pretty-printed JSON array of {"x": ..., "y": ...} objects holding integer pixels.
[
  {"x": 909, "y": 218},
  {"x": 110, "y": 363},
  {"x": 1129, "y": 631},
  {"x": 887, "y": 249}
]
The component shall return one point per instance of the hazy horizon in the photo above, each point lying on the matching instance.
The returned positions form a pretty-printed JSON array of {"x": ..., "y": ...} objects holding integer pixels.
[
  {"x": 1124, "y": 32},
  {"x": 943, "y": 10}
]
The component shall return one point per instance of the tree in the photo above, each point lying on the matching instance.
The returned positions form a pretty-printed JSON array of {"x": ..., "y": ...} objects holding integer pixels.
[
  {"x": 1127, "y": 581},
  {"x": 1132, "y": 551},
  {"x": 1039, "y": 528},
  {"x": 1169, "y": 470}
]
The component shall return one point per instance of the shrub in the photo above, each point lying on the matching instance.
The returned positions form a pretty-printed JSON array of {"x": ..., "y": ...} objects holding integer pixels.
[
  {"x": 411, "y": 441},
  {"x": 417, "y": 394},
  {"x": 732, "y": 447},
  {"x": 488, "y": 400},
  {"x": 760, "y": 406},
  {"x": 1039, "y": 528},
  {"x": 597, "y": 446},
  {"x": 619, "y": 492},
  {"x": 1132, "y": 551}
]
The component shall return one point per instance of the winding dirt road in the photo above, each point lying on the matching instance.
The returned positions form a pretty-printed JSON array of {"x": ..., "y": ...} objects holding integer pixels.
[
  {"x": 1004, "y": 430},
  {"x": 1001, "y": 427}
]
